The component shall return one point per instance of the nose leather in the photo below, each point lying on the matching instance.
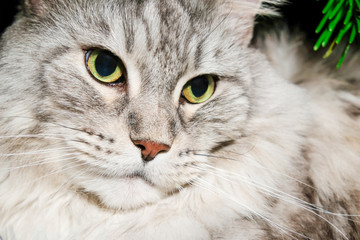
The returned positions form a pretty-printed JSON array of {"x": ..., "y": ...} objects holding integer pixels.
[{"x": 150, "y": 149}]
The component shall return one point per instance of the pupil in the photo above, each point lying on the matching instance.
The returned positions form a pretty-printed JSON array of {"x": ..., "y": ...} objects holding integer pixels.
[
  {"x": 199, "y": 86},
  {"x": 105, "y": 64}
]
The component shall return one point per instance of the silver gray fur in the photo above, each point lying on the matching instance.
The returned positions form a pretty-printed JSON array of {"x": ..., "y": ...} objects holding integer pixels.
[{"x": 51, "y": 108}]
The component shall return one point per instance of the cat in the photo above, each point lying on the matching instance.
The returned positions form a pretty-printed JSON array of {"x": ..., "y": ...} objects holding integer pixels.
[{"x": 147, "y": 119}]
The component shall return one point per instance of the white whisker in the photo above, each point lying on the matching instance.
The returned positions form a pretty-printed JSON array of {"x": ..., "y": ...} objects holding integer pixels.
[
  {"x": 311, "y": 206},
  {"x": 262, "y": 186},
  {"x": 70, "y": 180},
  {"x": 257, "y": 166},
  {"x": 41, "y": 158},
  {"x": 65, "y": 168},
  {"x": 45, "y": 136},
  {"x": 46, "y": 151},
  {"x": 41, "y": 162},
  {"x": 272, "y": 192},
  {"x": 217, "y": 191}
]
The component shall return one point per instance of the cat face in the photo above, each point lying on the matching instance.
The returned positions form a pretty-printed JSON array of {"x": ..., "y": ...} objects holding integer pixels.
[{"x": 140, "y": 92}]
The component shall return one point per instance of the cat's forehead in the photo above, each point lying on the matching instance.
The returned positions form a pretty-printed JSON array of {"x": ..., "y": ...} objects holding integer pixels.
[
  {"x": 164, "y": 39},
  {"x": 166, "y": 20},
  {"x": 163, "y": 34},
  {"x": 160, "y": 40},
  {"x": 167, "y": 31}
]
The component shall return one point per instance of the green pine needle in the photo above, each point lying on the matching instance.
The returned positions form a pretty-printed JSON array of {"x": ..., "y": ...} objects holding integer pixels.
[{"x": 342, "y": 21}]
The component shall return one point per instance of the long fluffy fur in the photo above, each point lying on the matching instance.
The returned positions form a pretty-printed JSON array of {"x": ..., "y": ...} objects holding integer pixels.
[{"x": 273, "y": 154}]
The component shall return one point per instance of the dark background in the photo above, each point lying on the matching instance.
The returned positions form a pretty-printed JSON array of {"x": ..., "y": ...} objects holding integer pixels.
[
  {"x": 7, "y": 11},
  {"x": 304, "y": 14}
]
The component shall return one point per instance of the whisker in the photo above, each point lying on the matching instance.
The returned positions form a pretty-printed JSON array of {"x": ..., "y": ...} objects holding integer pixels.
[
  {"x": 78, "y": 175},
  {"x": 309, "y": 206},
  {"x": 47, "y": 158},
  {"x": 46, "y": 136},
  {"x": 72, "y": 165},
  {"x": 39, "y": 163},
  {"x": 315, "y": 207},
  {"x": 258, "y": 166},
  {"x": 46, "y": 151},
  {"x": 284, "y": 229},
  {"x": 51, "y": 123},
  {"x": 265, "y": 189}
]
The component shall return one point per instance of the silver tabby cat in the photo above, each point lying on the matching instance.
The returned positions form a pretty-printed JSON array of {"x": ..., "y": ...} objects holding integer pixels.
[{"x": 154, "y": 119}]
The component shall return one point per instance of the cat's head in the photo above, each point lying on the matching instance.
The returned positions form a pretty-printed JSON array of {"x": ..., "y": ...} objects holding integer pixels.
[{"x": 142, "y": 92}]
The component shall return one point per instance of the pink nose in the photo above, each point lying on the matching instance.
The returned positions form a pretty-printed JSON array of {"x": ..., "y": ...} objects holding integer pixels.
[{"x": 150, "y": 149}]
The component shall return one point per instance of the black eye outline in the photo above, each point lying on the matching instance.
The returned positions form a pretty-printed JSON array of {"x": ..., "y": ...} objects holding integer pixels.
[
  {"x": 118, "y": 76},
  {"x": 188, "y": 94}
]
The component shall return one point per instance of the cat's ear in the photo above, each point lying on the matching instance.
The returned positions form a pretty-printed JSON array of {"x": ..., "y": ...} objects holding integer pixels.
[
  {"x": 35, "y": 7},
  {"x": 243, "y": 13}
]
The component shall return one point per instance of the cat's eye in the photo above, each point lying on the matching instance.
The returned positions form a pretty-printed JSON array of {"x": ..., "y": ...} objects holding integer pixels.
[
  {"x": 104, "y": 66},
  {"x": 199, "y": 89}
]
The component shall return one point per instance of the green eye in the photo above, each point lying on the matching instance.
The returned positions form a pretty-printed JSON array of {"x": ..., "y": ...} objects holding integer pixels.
[
  {"x": 104, "y": 66},
  {"x": 199, "y": 89}
]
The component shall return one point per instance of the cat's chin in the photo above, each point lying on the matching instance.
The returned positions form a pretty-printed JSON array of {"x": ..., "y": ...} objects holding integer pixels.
[{"x": 128, "y": 193}]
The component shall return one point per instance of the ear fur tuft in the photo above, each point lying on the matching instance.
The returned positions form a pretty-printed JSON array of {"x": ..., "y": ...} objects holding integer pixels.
[
  {"x": 34, "y": 7},
  {"x": 242, "y": 13},
  {"x": 255, "y": 7},
  {"x": 268, "y": 7}
]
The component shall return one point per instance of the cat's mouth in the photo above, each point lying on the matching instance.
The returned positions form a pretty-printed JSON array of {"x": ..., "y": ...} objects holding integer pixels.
[
  {"x": 130, "y": 177},
  {"x": 139, "y": 176},
  {"x": 127, "y": 192}
]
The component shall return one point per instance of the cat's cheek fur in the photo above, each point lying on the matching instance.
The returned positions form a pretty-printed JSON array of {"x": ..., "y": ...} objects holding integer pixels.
[{"x": 243, "y": 165}]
